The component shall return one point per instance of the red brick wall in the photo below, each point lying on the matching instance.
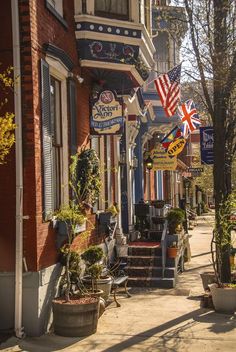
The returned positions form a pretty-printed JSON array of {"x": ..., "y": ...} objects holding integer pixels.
[
  {"x": 7, "y": 171},
  {"x": 46, "y": 28},
  {"x": 37, "y": 26}
]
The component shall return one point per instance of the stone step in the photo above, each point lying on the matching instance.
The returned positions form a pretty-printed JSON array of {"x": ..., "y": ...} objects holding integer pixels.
[
  {"x": 151, "y": 282},
  {"x": 152, "y": 271},
  {"x": 144, "y": 251},
  {"x": 146, "y": 261}
]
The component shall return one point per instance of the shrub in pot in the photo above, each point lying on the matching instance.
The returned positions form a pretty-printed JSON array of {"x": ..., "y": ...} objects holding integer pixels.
[
  {"x": 75, "y": 312},
  {"x": 224, "y": 297},
  {"x": 223, "y": 292},
  {"x": 92, "y": 258},
  {"x": 175, "y": 218}
]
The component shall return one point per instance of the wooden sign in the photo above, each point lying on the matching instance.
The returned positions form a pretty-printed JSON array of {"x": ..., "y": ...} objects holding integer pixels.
[
  {"x": 162, "y": 161},
  {"x": 176, "y": 147},
  {"x": 106, "y": 114}
]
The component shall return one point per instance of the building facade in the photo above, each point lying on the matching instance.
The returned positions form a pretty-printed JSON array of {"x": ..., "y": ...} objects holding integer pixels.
[{"x": 65, "y": 53}]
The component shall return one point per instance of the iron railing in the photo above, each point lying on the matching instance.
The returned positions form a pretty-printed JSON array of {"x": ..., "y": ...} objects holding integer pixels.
[{"x": 164, "y": 247}]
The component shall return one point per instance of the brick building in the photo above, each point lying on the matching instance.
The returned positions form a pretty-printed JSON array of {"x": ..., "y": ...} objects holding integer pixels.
[{"x": 63, "y": 53}]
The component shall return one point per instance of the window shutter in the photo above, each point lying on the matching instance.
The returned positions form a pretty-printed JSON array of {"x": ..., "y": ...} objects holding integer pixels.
[
  {"x": 73, "y": 115},
  {"x": 47, "y": 163}
]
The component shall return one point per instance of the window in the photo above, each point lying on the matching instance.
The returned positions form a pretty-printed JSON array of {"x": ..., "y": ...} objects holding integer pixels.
[
  {"x": 57, "y": 5},
  {"x": 112, "y": 9},
  {"x": 56, "y": 8},
  {"x": 54, "y": 94},
  {"x": 55, "y": 101}
]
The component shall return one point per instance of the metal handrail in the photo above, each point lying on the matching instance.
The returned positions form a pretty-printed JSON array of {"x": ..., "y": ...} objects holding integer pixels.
[{"x": 164, "y": 247}]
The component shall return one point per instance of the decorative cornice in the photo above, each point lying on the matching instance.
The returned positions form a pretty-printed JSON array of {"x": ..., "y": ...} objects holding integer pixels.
[{"x": 52, "y": 50}]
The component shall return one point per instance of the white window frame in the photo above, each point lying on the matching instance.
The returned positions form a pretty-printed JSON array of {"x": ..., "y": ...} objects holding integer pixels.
[
  {"x": 60, "y": 72},
  {"x": 57, "y": 5}
]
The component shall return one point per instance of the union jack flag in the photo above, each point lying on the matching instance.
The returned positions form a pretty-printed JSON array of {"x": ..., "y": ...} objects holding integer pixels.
[
  {"x": 168, "y": 88},
  {"x": 189, "y": 117}
]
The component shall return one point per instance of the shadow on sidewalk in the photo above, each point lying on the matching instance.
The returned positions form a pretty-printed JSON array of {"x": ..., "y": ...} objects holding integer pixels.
[{"x": 198, "y": 316}]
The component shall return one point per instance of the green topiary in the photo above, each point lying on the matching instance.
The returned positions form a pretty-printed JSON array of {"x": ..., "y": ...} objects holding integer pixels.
[
  {"x": 175, "y": 217},
  {"x": 86, "y": 180},
  {"x": 92, "y": 255}
]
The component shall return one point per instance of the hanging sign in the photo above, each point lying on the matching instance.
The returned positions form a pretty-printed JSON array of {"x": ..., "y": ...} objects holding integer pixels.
[
  {"x": 195, "y": 169},
  {"x": 206, "y": 144},
  {"x": 106, "y": 114},
  {"x": 162, "y": 161},
  {"x": 176, "y": 147}
]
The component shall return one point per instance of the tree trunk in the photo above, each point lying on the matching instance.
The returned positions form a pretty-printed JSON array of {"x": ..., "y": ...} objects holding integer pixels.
[{"x": 220, "y": 66}]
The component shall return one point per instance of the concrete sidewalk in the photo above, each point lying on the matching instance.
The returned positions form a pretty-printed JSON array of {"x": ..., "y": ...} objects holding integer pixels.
[{"x": 154, "y": 319}]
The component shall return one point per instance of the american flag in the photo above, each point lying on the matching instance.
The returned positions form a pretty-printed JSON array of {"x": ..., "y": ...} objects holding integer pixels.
[
  {"x": 168, "y": 88},
  {"x": 189, "y": 117}
]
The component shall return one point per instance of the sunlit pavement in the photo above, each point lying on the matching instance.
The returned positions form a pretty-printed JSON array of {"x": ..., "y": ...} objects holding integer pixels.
[{"x": 155, "y": 320}]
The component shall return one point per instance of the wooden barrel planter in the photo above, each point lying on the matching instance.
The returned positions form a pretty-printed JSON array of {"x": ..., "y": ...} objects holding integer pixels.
[{"x": 79, "y": 317}]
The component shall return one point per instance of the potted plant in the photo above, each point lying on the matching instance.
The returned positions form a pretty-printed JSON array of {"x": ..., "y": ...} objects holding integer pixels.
[
  {"x": 94, "y": 271},
  {"x": 224, "y": 297},
  {"x": 172, "y": 250},
  {"x": 175, "y": 218},
  {"x": 75, "y": 312},
  {"x": 223, "y": 293},
  {"x": 70, "y": 220}
]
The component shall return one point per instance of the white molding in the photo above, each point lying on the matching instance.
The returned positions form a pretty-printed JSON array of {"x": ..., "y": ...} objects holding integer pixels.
[
  {"x": 58, "y": 70},
  {"x": 108, "y": 37},
  {"x": 108, "y": 21}
]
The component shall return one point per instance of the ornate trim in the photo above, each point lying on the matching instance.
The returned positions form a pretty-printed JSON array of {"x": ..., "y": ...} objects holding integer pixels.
[{"x": 52, "y": 50}]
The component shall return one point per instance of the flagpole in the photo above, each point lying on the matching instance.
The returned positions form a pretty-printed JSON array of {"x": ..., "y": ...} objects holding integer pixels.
[{"x": 147, "y": 84}]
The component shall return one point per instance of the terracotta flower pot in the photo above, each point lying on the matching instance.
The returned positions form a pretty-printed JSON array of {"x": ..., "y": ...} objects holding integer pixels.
[{"x": 172, "y": 252}]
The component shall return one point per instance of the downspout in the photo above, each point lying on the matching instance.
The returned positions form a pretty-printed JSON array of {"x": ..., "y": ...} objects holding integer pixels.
[{"x": 19, "y": 172}]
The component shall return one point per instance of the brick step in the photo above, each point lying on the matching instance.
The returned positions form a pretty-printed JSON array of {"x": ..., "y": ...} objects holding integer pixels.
[
  {"x": 151, "y": 282},
  {"x": 144, "y": 251},
  {"x": 146, "y": 261},
  {"x": 152, "y": 271}
]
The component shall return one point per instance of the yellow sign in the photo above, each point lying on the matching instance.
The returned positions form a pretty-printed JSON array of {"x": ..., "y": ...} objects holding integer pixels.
[
  {"x": 162, "y": 161},
  {"x": 106, "y": 114},
  {"x": 176, "y": 147}
]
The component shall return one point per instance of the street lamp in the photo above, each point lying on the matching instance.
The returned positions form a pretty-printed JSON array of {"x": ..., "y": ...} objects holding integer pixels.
[
  {"x": 135, "y": 162},
  {"x": 123, "y": 157},
  {"x": 149, "y": 166},
  {"x": 149, "y": 163},
  {"x": 187, "y": 184}
]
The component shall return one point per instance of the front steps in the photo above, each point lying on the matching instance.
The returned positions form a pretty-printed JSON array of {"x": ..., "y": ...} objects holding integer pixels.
[{"x": 144, "y": 267}]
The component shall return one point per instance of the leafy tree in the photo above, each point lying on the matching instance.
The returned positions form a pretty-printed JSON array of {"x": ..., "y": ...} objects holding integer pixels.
[
  {"x": 211, "y": 54},
  {"x": 7, "y": 126}
]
